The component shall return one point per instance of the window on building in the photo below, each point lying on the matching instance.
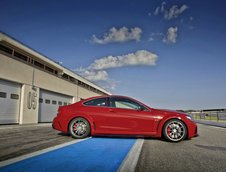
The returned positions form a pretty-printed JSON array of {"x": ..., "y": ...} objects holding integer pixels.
[
  {"x": 97, "y": 102},
  {"x": 65, "y": 76},
  {"x": 71, "y": 79},
  {"x": 40, "y": 100},
  {"x": 47, "y": 68},
  {"x": 60, "y": 103},
  {"x": 38, "y": 64},
  {"x": 47, "y": 101},
  {"x": 14, "y": 96},
  {"x": 3, "y": 95},
  {"x": 6, "y": 49},
  {"x": 20, "y": 56},
  {"x": 54, "y": 102}
]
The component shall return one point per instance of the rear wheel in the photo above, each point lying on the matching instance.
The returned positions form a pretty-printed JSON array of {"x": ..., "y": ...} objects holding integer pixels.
[
  {"x": 79, "y": 128},
  {"x": 174, "y": 130}
]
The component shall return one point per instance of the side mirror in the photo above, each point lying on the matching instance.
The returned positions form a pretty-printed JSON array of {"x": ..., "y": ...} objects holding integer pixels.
[{"x": 141, "y": 108}]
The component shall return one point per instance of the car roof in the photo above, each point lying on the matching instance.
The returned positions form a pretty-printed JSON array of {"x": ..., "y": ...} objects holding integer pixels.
[
  {"x": 108, "y": 96},
  {"x": 105, "y": 96}
]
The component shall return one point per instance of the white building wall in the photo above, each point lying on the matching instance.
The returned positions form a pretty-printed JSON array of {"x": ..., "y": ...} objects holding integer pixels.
[
  {"x": 29, "y": 104},
  {"x": 33, "y": 79}
]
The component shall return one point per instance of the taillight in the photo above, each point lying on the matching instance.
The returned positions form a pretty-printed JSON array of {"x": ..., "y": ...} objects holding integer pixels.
[{"x": 59, "y": 110}]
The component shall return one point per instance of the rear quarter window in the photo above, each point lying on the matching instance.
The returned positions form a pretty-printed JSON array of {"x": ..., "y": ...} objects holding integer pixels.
[{"x": 96, "y": 102}]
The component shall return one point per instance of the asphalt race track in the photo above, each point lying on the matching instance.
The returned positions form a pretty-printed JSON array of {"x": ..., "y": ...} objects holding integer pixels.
[{"x": 204, "y": 153}]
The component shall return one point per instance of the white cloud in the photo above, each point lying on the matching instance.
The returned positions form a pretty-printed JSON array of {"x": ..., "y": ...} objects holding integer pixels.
[
  {"x": 100, "y": 77},
  {"x": 108, "y": 84},
  {"x": 171, "y": 35},
  {"x": 151, "y": 39},
  {"x": 163, "y": 6},
  {"x": 174, "y": 11},
  {"x": 159, "y": 9},
  {"x": 155, "y": 35},
  {"x": 141, "y": 57},
  {"x": 119, "y": 35},
  {"x": 93, "y": 75},
  {"x": 156, "y": 11},
  {"x": 96, "y": 71}
]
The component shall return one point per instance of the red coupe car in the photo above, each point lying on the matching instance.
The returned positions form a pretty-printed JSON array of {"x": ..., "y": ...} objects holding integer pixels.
[{"x": 120, "y": 115}]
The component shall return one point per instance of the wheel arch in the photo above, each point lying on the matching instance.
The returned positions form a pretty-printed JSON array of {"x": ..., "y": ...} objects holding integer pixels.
[
  {"x": 86, "y": 117},
  {"x": 164, "y": 121}
]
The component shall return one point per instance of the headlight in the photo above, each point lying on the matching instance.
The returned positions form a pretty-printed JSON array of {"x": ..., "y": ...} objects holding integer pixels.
[{"x": 189, "y": 117}]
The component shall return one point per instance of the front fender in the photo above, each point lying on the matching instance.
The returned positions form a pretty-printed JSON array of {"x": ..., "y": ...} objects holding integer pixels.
[{"x": 163, "y": 121}]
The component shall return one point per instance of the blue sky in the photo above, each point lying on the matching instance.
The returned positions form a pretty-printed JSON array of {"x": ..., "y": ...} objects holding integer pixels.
[{"x": 168, "y": 54}]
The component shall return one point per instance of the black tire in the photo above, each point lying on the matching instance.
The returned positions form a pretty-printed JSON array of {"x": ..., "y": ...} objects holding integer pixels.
[
  {"x": 79, "y": 128},
  {"x": 174, "y": 130}
]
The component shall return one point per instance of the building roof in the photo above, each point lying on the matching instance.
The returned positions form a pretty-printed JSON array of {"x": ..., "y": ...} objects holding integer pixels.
[{"x": 12, "y": 41}]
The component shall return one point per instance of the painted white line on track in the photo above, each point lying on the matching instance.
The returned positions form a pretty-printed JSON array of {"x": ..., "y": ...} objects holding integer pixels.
[
  {"x": 130, "y": 162},
  {"x": 218, "y": 128},
  {"x": 23, "y": 157},
  {"x": 214, "y": 127},
  {"x": 215, "y": 124}
]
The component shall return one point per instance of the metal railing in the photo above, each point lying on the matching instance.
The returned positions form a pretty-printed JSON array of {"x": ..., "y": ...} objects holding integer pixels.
[{"x": 213, "y": 116}]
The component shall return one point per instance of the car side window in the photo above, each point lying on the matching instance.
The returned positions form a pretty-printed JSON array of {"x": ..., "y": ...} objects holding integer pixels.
[
  {"x": 97, "y": 102},
  {"x": 124, "y": 103}
]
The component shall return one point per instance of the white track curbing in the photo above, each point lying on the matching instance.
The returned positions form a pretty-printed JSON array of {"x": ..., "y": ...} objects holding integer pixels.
[{"x": 130, "y": 162}]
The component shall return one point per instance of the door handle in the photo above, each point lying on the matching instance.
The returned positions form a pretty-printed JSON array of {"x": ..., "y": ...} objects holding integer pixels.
[{"x": 111, "y": 110}]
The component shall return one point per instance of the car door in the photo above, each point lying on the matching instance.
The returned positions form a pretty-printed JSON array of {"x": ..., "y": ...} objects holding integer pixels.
[
  {"x": 127, "y": 116},
  {"x": 98, "y": 109},
  {"x": 110, "y": 119}
]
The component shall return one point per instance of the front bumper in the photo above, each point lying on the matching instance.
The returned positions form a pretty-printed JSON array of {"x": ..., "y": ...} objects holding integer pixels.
[{"x": 192, "y": 129}]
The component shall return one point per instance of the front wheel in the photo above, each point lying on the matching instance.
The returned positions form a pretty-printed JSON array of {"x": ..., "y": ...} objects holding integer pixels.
[
  {"x": 79, "y": 128},
  {"x": 174, "y": 130}
]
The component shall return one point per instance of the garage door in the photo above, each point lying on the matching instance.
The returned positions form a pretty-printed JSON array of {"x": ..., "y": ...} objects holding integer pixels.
[
  {"x": 9, "y": 102},
  {"x": 49, "y": 103}
]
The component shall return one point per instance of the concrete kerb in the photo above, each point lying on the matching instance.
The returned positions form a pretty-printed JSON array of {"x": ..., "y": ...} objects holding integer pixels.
[{"x": 14, "y": 126}]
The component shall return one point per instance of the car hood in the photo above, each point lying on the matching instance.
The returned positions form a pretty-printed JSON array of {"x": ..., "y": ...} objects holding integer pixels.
[{"x": 169, "y": 112}]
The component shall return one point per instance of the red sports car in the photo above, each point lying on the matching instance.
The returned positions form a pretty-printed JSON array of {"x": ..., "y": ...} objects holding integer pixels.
[{"x": 120, "y": 115}]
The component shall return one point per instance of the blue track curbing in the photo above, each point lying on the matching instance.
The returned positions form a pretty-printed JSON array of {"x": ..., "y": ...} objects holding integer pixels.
[{"x": 95, "y": 154}]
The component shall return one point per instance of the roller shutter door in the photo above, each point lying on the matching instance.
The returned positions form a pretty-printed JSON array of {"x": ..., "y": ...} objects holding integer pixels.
[
  {"x": 49, "y": 103},
  {"x": 9, "y": 102}
]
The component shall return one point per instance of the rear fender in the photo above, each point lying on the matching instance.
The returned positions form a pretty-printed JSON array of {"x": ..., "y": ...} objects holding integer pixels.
[{"x": 87, "y": 117}]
